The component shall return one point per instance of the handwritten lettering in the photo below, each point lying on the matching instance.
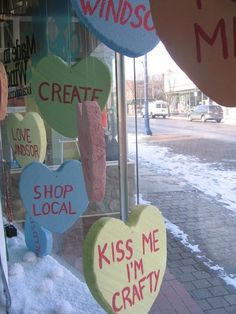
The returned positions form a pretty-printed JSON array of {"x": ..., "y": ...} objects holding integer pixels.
[
  {"x": 52, "y": 200},
  {"x": 150, "y": 241},
  {"x": 67, "y": 93},
  {"x": 51, "y": 191},
  {"x": 221, "y": 30},
  {"x": 120, "y": 12},
  {"x": 21, "y": 134},
  {"x": 53, "y": 208},
  {"x": 129, "y": 295},
  {"x": 113, "y": 252}
]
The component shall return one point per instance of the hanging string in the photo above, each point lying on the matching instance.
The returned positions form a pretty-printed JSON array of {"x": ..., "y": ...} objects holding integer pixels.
[
  {"x": 8, "y": 201},
  {"x": 136, "y": 132},
  {"x": 47, "y": 31},
  {"x": 69, "y": 18}
]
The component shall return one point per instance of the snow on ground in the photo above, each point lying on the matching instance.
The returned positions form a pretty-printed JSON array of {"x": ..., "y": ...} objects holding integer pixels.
[
  {"x": 206, "y": 177},
  {"x": 43, "y": 286},
  {"x": 211, "y": 179}
]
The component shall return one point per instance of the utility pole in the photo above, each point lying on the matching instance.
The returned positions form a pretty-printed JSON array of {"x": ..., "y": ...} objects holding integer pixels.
[{"x": 147, "y": 129}]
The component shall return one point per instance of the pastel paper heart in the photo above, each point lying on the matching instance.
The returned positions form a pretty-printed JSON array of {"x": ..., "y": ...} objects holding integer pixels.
[
  {"x": 200, "y": 36},
  {"x": 92, "y": 149},
  {"x": 27, "y": 136},
  {"x": 58, "y": 88},
  {"x": 37, "y": 239},
  {"x": 54, "y": 199},
  {"x": 3, "y": 92},
  {"x": 124, "y": 264},
  {"x": 124, "y": 26}
]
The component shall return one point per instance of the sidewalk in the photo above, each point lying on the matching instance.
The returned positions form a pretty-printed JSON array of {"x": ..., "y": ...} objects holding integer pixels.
[{"x": 192, "y": 282}]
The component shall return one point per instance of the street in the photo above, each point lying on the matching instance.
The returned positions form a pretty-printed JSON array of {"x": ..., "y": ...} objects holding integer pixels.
[
  {"x": 211, "y": 142},
  {"x": 188, "y": 170}
]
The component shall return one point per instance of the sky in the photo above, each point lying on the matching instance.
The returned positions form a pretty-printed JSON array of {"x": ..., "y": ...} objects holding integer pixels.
[
  {"x": 159, "y": 61},
  {"x": 44, "y": 286}
]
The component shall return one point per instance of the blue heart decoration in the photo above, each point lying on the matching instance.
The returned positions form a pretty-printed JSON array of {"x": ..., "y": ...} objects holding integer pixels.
[
  {"x": 54, "y": 199},
  {"x": 124, "y": 26},
  {"x": 37, "y": 239}
]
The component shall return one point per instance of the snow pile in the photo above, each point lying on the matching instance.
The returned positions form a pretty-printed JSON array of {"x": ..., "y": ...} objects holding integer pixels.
[
  {"x": 209, "y": 178},
  {"x": 43, "y": 286}
]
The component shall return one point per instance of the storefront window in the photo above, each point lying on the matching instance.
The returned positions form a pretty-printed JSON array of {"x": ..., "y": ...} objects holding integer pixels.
[{"x": 25, "y": 41}]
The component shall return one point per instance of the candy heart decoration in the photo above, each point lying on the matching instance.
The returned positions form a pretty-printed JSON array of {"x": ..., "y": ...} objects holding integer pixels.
[
  {"x": 54, "y": 199},
  {"x": 124, "y": 26},
  {"x": 37, "y": 239},
  {"x": 92, "y": 149},
  {"x": 200, "y": 36},
  {"x": 3, "y": 92},
  {"x": 124, "y": 264},
  {"x": 58, "y": 87},
  {"x": 27, "y": 136}
]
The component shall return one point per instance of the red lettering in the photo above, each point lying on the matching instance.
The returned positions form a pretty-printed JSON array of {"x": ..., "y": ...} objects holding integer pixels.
[
  {"x": 234, "y": 32},
  {"x": 114, "y": 307},
  {"x": 119, "y": 249},
  {"x": 137, "y": 10},
  {"x": 124, "y": 18},
  {"x": 75, "y": 93},
  {"x": 52, "y": 208},
  {"x": 113, "y": 252},
  {"x": 135, "y": 294},
  {"x": 58, "y": 191},
  {"x": 36, "y": 191},
  {"x": 129, "y": 248},
  {"x": 111, "y": 8},
  {"x": 151, "y": 241},
  {"x": 200, "y": 33},
  {"x": 46, "y": 209},
  {"x": 48, "y": 191},
  {"x": 86, "y": 89},
  {"x": 155, "y": 240},
  {"x": 199, "y": 4},
  {"x": 101, "y": 256},
  {"x": 141, "y": 286},
  {"x": 87, "y": 8},
  {"x": 40, "y": 90},
  {"x": 126, "y": 296},
  {"x": 67, "y": 189},
  {"x": 56, "y": 89},
  {"x": 94, "y": 96},
  {"x": 34, "y": 211},
  {"x": 66, "y": 93},
  {"x": 147, "y": 18},
  {"x": 156, "y": 275},
  {"x": 21, "y": 135},
  {"x": 138, "y": 266},
  {"x": 147, "y": 240}
]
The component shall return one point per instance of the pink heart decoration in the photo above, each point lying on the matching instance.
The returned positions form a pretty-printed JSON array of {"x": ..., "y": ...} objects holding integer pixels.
[{"x": 201, "y": 37}]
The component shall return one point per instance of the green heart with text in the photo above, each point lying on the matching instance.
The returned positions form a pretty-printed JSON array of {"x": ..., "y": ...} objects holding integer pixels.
[{"x": 58, "y": 88}]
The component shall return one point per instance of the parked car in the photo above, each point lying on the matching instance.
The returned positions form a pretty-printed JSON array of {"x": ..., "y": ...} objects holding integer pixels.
[
  {"x": 158, "y": 108},
  {"x": 206, "y": 112}
]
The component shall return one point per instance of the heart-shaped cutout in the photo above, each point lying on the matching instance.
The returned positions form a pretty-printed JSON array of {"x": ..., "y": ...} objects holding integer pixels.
[
  {"x": 200, "y": 36},
  {"x": 38, "y": 239},
  {"x": 3, "y": 92},
  {"x": 58, "y": 88},
  {"x": 124, "y": 264},
  {"x": 54, "y": 199},
  {"x": 124, "y": 26},
  {"x": 27, "y": 136},
  {"x": 92, "y": 149}
]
